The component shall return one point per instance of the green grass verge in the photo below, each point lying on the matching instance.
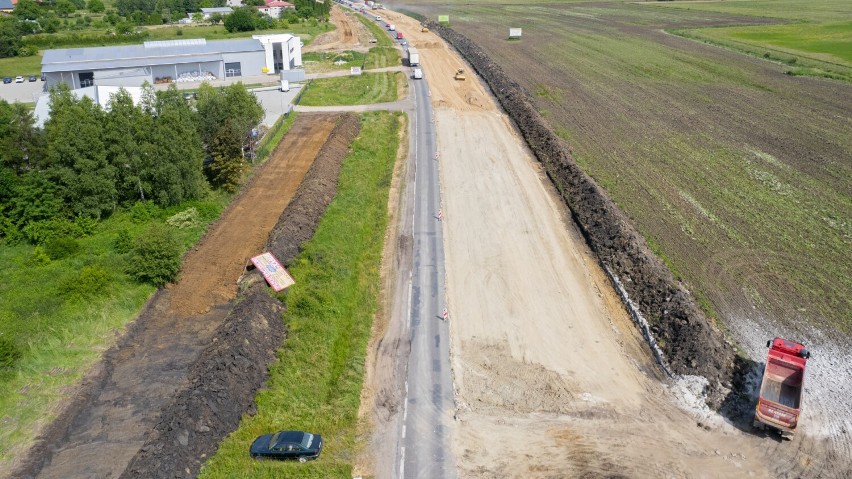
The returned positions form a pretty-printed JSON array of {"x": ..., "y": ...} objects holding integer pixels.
[
  {"x": 14, "y": 66},
  {"x": 320, "y": 62},
  {"x": 353, "y": 90},
  {"x": 316, "y": 383},
  {"x": 381, "y": 57},
  {"x": 382, "y": 38}
]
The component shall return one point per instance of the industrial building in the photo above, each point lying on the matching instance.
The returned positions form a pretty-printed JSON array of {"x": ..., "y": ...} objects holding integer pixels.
[{"x": 171, "y": 60}]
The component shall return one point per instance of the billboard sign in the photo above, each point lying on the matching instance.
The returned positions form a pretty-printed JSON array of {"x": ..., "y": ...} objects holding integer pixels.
[
  {"x": 443, "y": 19},
  {"x": 514, "y": 33},
  {"x": 272, "y": 271}
]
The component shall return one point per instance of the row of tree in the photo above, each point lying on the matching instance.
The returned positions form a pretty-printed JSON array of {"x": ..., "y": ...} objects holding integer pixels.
[{"x": 88, "y": 161}]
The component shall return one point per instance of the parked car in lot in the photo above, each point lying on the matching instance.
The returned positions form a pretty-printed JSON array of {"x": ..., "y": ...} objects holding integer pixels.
[
  {"x": 298, "y": 445},
  {"x": 7, "y": 80},
  {"x": 19, "y": 79},
  {"x": 32, "y": 78}
]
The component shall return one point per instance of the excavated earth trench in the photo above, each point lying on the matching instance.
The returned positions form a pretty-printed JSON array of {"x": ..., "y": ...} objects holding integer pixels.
[{"x": 176, "y": 384}]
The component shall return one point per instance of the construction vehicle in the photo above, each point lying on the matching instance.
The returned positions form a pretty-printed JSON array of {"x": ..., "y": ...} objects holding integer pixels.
[
  {"x": 425, "y": 29},
  {"x": 460, "y": 74},
  {"x": 780, "y": 400}
]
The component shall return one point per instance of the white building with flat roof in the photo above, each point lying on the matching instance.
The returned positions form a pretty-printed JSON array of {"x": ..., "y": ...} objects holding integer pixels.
[{"x": 171, "y": 60}]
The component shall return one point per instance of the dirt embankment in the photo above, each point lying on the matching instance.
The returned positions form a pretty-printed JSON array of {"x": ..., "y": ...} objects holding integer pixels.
[
  {"x": 690, "y": 343},
  {"x": 223, "y": 383}
]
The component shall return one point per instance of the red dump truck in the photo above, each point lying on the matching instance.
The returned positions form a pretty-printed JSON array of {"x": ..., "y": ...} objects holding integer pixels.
[{"x": 780, "y": 400}]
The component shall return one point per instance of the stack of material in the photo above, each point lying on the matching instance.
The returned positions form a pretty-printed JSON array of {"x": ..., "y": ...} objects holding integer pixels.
[{"x": 187, "y": 77}]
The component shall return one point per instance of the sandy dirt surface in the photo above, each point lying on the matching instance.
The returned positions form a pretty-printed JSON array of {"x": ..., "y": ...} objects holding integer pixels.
[
  {"x": 544, "y": 354},
  {"x": 349, "y": 35},
  {"x": 211, "y": 269},
  {"x": 119, "y": 401}
]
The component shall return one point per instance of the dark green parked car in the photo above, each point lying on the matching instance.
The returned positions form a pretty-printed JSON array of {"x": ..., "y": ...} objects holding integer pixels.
[{"x": 287, "y": 445}]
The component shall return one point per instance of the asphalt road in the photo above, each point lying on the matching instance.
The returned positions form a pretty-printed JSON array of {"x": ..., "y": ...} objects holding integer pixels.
[{"x": 428, "y": 407}]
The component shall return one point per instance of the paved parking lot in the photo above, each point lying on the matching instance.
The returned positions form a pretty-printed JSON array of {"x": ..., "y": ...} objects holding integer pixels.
[{"x": 26, "y": 92}]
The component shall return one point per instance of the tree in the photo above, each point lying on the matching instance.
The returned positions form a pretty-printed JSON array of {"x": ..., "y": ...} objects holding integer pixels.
[
  {"x": 125, "y": 28},
  {"x": 197, "y": 17},
  {"x": 20, "y": 142},
  {"x": 27, "y": 10},
  {"x": 78, "y": 4},
  {"x": 241, "y": 20},
  {"x": 175, "y": 151},
  {"x": 76, "y": 155},
  {"x": 227, "y": 167},
  {"x": 10, "y": 36},
  {"x": 95, "y": 6},
  {"x": 234, "y": 103},
  {"x": 254, "y": 3},
  {"x": 126, "y": 131},
  {"x": 65, "y": 8},
  {"x": 216, "y": 18}
]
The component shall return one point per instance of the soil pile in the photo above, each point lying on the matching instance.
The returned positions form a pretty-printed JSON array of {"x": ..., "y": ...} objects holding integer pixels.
[
  {"x": 691, "y": 344},
  {"x": 223, "y": 383}
]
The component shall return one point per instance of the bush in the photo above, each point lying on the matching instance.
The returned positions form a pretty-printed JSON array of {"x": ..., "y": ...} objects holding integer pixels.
[
  {"x": 89, "y": 282},
  {"x": 39, "y": 256},
  {"x": 61, "y": 247},
  {"x": 155, "y": 257},
  {"x": 144, "y": 211},
  {"x": 123, "y": 243},
  {"x": 187, "y": 218},
  {"x": 10, "y": 353}
]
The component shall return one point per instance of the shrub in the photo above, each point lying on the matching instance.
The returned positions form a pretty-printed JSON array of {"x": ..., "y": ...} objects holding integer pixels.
[
  {"x": 144, "y": 211},
  {"x": 123, "y": 243},
  {"x": 61, "y": 247},
  {"x": 84, "y": 226},
  {"x": 89, "y": 282},
  {"x": 10, "y": 353},
  {"x": 155, "y": 257},
  {"x": 39, "y": 256},
  {"x": 187, "y": 218}
]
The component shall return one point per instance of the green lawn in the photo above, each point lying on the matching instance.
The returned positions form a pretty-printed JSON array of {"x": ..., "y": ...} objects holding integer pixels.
[
  {"x": 316, "y": 383},
  {"x": 380, "y": 57},
  {"x": 815, "y": 38},
  {"x": 353, "y": 90},
  {"x": 14, "y": 66},
  {"x": 319, "y": 62}
]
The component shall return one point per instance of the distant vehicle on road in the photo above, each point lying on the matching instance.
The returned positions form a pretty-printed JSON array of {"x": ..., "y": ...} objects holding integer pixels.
[
  {"x": 780, "y": 400},
  {"x": 7, "y": 80},
  {"x": 19, "y": 79},
  {"x": 378, "y": 18},
  {"x": 399, "y": 35},
  {"x": 298, "y": 445},
  {"x": 32, "y": 78},
  {"x": 413, "y": 57},
  {"x": 417, "y": 74}
]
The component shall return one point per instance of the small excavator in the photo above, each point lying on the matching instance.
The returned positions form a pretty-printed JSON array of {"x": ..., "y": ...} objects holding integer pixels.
[{"x": 460, "y": 74}]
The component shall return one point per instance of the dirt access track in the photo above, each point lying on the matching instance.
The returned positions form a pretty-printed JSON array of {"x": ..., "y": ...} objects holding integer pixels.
[
  {"x": 350, "y": 34},
  {"x": 544, "y": 353},
  {"x": 121, "y": 400}
]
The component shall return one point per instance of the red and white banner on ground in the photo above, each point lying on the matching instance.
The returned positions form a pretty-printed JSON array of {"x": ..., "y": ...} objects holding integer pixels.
[{"x": 271, "y": 269}]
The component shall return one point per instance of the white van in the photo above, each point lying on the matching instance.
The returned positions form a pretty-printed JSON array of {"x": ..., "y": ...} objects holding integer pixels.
[{"x": 417, "y": 74}]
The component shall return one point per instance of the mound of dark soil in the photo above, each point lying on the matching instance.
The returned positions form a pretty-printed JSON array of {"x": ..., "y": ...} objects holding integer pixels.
[
  {"x": 690, "y": 342},
  {"x": 224, "y": 381}
]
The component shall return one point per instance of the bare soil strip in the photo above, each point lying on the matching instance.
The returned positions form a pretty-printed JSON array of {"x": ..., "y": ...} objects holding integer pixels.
[
  {"x": 349, "y": 35},
  {"x": 121, "y": 399},
  {"x": 211, "y": 269}
]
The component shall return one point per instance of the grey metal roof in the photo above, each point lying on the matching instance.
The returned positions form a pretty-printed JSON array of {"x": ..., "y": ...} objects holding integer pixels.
[
  {"x": 6, "y": 5},
  {"x": 217, "y": 10},
  {"x": 152, "y": 53}
]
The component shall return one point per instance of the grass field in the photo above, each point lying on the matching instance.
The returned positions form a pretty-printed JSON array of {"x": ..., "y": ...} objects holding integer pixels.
[
  {"x": 382, "y": 38},
  {"x": 738, "y": 175},
  {"x": 354, "y": 90},
  {"x": 316, "y": 383},
  {"x": 14, "y": 66},
  {"x": 60, "y": 335}
]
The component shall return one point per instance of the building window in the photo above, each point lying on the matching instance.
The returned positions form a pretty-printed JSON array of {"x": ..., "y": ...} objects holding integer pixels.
[
  {"x": 87, "y": 79},
  {"x": 233, "y": 70}
]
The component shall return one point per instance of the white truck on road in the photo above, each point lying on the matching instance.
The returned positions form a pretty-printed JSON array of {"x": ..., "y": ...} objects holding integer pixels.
[{"x": 413, "y": 57}]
